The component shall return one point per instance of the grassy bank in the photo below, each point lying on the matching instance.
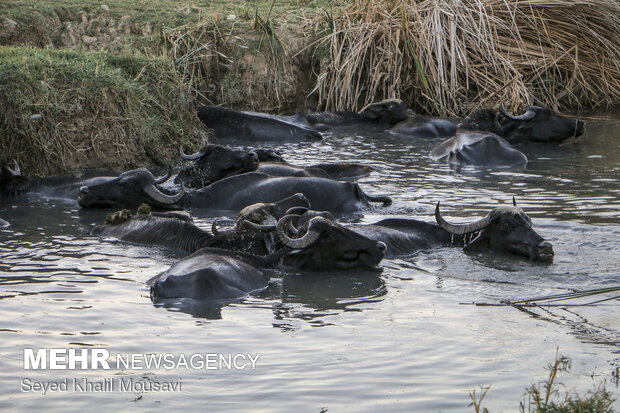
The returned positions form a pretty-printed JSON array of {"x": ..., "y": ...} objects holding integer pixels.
[{"x": 66, "y": 110}]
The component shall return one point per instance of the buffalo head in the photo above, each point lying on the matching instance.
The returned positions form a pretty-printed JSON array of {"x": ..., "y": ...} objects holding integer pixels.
[
  {"x": 11, "y": 179},
  {"x": 268, "y": 155},
  {"x": 505, "y": 229},
  {"x": 390, "y": 111},
  {"x": 322, "y": 244},
  {"x": 255, "y": 224},
  {"x": 129, "y": 190},
  {"x": 214, "y": 162},
  {"x": 539, "y": 125}
]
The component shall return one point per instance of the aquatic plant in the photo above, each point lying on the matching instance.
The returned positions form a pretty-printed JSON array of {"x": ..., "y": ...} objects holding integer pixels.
[
  {"x": 545, "y": 396},
  {"x": 451, "y": 57}
]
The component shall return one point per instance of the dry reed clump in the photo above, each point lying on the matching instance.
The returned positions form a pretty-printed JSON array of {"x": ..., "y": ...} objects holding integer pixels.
[
  {"x": 234, "y": 66},
  {"x": 450, "y": 57}
]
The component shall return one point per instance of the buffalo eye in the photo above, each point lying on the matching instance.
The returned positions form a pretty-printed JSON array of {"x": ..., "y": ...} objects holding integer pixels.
[{"x": 506, "y": 226}]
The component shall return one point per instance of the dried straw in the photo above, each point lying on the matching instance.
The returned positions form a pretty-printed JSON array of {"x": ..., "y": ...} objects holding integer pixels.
[{"x": 449, "y": 57}]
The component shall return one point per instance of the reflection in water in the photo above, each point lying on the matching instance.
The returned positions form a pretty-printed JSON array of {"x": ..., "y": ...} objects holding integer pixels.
[
  {"x": 59, "y": 287},
  {"x": 306, "y": 296}
]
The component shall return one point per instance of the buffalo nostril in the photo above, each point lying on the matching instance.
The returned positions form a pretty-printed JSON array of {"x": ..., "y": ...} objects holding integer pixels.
[
  {"x": 84, "y": 190},
  {"x": 381, "y": 246},
  {"x": 545, "y": 247}
]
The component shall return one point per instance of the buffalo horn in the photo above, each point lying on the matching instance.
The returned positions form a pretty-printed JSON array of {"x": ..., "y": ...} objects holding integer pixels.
[
  {"x": 298, "y": 210},
  {"x": 529, "y": 115},
  {"x": 311, "y": 236},
  {"x": 217, "y": 232},
  {"x": 15, "y": 171},
  {"x": 165, "y": 177},
  {"x": 462, "y": 228},
  {"x": 192, "y": 157},
  {"x": 262, "y": 227},
  {"x": 158, "y": 196},
  {"x": 514, "y": 201}
]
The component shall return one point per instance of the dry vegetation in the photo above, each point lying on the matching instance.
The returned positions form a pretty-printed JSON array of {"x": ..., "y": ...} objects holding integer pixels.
[
  {"x": 449, "y": 57},
  {"x": 441, "y": 57}
]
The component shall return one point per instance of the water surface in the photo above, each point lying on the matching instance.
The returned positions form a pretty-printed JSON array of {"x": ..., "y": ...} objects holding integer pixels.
[{"x": 403, "y": 339}]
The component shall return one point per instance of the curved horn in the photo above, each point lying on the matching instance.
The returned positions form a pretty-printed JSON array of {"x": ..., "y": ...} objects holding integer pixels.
[
  {"x": 529, "y": 115},
  {"x": 165, "y": 177},
  {"x": 217, "y": 232},
  {"x": 460, "y": 229},
  {"x": 15, "y": 171},
  {"x": 262, "y": 227},
  {"x": 192, "y": 157},
  {"x": 514, "y": 201},
  {"x": 158, "y": 196},
  {"x": 298, "y": 210},
  {"x": 311, "y": 236}
]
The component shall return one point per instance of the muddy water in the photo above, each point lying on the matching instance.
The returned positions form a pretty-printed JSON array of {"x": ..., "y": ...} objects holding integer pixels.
[{"x": 361, "y": 342}]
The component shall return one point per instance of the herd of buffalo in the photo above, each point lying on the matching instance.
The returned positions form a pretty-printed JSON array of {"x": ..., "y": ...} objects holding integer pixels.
[{"x": 285, "y": 211}]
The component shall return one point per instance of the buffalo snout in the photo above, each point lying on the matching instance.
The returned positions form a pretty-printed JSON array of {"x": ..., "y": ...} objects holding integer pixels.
[{"x": 543, "y": 252}]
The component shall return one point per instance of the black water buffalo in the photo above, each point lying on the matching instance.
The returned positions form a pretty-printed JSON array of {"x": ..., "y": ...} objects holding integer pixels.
[
  {"x": 252, "y": 126},
  {"x": 420, "y": 126},
  {"x": 387, "y": 112},
  {"x": 133, "y": 188},
  {"x": 340, "y": 170},
  {"x": 323, "y": 244},
  {"x": 172, "y": 230},
  {"x": 210, "y": 274},
  {"x": 539, "y": 125},
  {"x": 479, "y": 149},
  {"x": 505, "y": 229},
  {"x": 12, "y": 181},
  {"x": 476, "y": 143},
  {"x": 128, "y": 190},
  {"x": 214, "y": 162},
  {"x": 236, "y": 192}
]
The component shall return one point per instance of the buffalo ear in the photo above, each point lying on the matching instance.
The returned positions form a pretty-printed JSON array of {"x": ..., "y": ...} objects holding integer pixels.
[
  {"x": 479, "y": 243},
  {"x": 296, "y": 258}
]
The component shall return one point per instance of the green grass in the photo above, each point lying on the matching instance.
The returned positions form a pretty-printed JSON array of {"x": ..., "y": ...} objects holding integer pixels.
[
  {"x": 67, "y": 110},
  {"x": 40, "y": 21}
]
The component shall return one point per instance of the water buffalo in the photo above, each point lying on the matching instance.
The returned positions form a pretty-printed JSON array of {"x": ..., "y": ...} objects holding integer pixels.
[
  {"x": 505, "y": 229},
  {"x": 323, "y": 244},
  {"x": 387, "y": 112},
  {"x": 476, "y": 143},
  {"x": 420, "y": 126},
  {"x": 236, "y": 192},
  {"x": 214, "y": 162},
  {"x": 252, "y": 126},
  {"x": 210, "y": 274},
  {"x": 539, "y": 125},
  {"x": 133, "y": 188},
  {"x": 478, "y": 148},
  {"x": 172, "y": 230},
  {"x": 128, "y": 190},
  {"x": 12, "y": 181}
]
